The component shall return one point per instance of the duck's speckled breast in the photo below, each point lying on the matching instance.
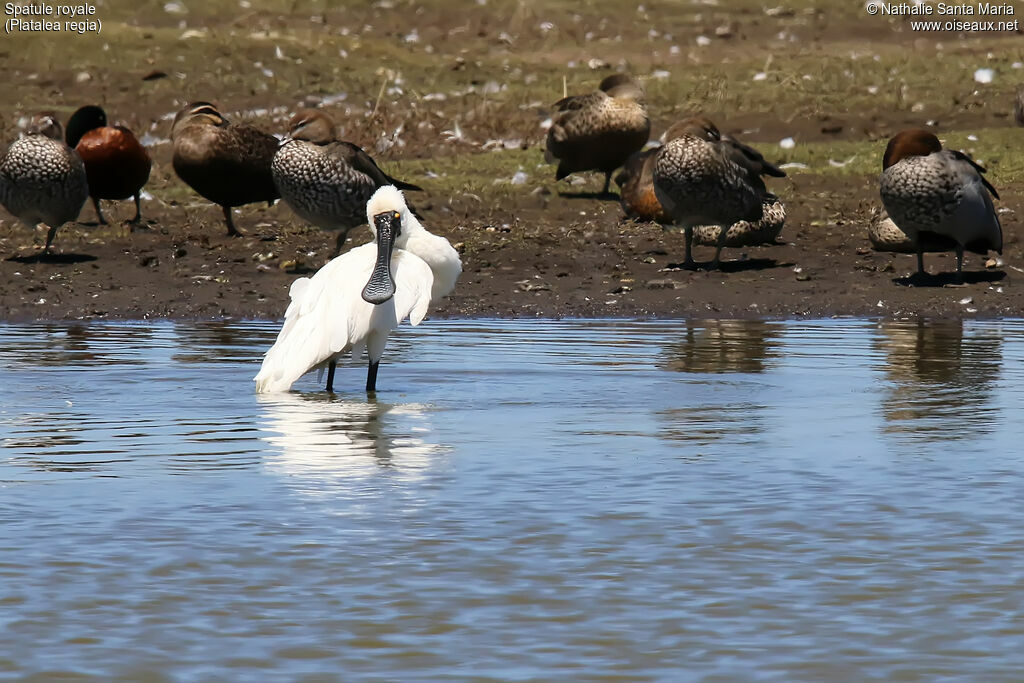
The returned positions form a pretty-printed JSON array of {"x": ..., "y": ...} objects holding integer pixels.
[
  {"x": 321, "y": 188},
  {"x": 42, "y": 180},
  {"x": 921, "y": 192}
]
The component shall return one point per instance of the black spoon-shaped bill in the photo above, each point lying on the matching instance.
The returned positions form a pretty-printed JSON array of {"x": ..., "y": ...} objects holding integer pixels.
[{"x": 381, "y": 286}]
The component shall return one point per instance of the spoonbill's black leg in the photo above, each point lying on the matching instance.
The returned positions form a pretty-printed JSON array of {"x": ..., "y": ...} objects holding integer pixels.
[
  {"x": 330, "y": 376},
  {"x": 371, "y": 376}
]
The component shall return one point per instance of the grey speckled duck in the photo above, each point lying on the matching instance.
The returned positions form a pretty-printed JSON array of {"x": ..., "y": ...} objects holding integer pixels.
[
  {"x": 702, "y": 178},
  {"x": 600, "y": 130},
  {"x": 935, "y": 195},
  {"x": 227, "y": 163},
  {"x": 324, "y": 180},
  {"x": 639, "y": 202},
  {"x": 42, "y": 180}
]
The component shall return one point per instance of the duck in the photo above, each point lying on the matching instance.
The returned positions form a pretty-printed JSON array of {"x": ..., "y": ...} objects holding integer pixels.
[
  {"x": 747, "y": 233},
  {"x": 116, "y": 164},
  {"x": 639, "y": 202},
  {"x": 42, "y": 179},
  {"x": 636, "y": 188},
  {"x": 356, "y": 300},
  {"x": 227, "y": 163},
  {"x": 704, "y": 178},
  {"x": 938, "y": 197},
  {"x": 324, "y": 180},
  {"x": 886, "y": 236},
  {"x": 598, "y": 131}
]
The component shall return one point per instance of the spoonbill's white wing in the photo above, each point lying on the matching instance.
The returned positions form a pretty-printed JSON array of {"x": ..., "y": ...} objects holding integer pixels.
[
  {"x": 439, "y": 254},
  {"x": 327, "y": 314}
]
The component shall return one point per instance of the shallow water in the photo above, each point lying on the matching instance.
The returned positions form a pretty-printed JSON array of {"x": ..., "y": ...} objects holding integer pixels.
[{"x": 576, "y": 500}]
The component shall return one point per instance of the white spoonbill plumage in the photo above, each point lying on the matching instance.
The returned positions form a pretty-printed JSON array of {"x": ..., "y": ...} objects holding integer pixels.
[{"x": 354, "y": 301}]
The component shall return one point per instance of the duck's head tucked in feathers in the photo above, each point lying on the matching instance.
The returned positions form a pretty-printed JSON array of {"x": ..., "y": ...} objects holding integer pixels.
[
  {"x": 622, "y": 86},
  {"x": 910, "y": 143},
  {"x": 695, "y": 126},
  {"x": 45, "y": 124},
  {"x": 313, "y": 126},
  {"x": 82, "y": 121}
]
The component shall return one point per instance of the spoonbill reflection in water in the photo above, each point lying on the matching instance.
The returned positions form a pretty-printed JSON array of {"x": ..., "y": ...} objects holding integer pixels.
[
  {"x": 318, "y": 439},
  {"x": 405, "y": 269}
]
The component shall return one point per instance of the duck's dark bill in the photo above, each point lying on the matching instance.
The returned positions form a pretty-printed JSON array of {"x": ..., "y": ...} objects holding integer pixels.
[{"x": 381, "y": 286}]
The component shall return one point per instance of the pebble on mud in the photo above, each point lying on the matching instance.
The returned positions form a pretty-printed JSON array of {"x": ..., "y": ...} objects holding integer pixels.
[{"x": 662, "y": 283}]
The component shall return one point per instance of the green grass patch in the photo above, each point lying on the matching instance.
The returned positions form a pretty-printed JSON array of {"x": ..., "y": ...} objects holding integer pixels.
[{"x": 994, "y": 148}]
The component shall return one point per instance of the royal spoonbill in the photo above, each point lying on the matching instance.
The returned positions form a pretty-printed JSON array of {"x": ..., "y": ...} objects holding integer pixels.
[{"x": 354, "y": 301}]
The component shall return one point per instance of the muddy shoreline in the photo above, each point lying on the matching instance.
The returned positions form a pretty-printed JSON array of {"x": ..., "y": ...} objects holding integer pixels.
[{"x": 558, "y": 255}]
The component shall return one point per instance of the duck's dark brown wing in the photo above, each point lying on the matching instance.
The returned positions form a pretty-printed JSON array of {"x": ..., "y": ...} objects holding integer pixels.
[
  {"x": 248, "y": 152},
  {"x": 751, "y": 159},
  {"x": 364, "y": 163},
  {"x": 233, "y": 167},
  {"x": 249, "y": 145}
]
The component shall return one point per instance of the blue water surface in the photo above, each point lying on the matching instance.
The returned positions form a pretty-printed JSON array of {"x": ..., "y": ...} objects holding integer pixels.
[{"x": 521, "y": 500}]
